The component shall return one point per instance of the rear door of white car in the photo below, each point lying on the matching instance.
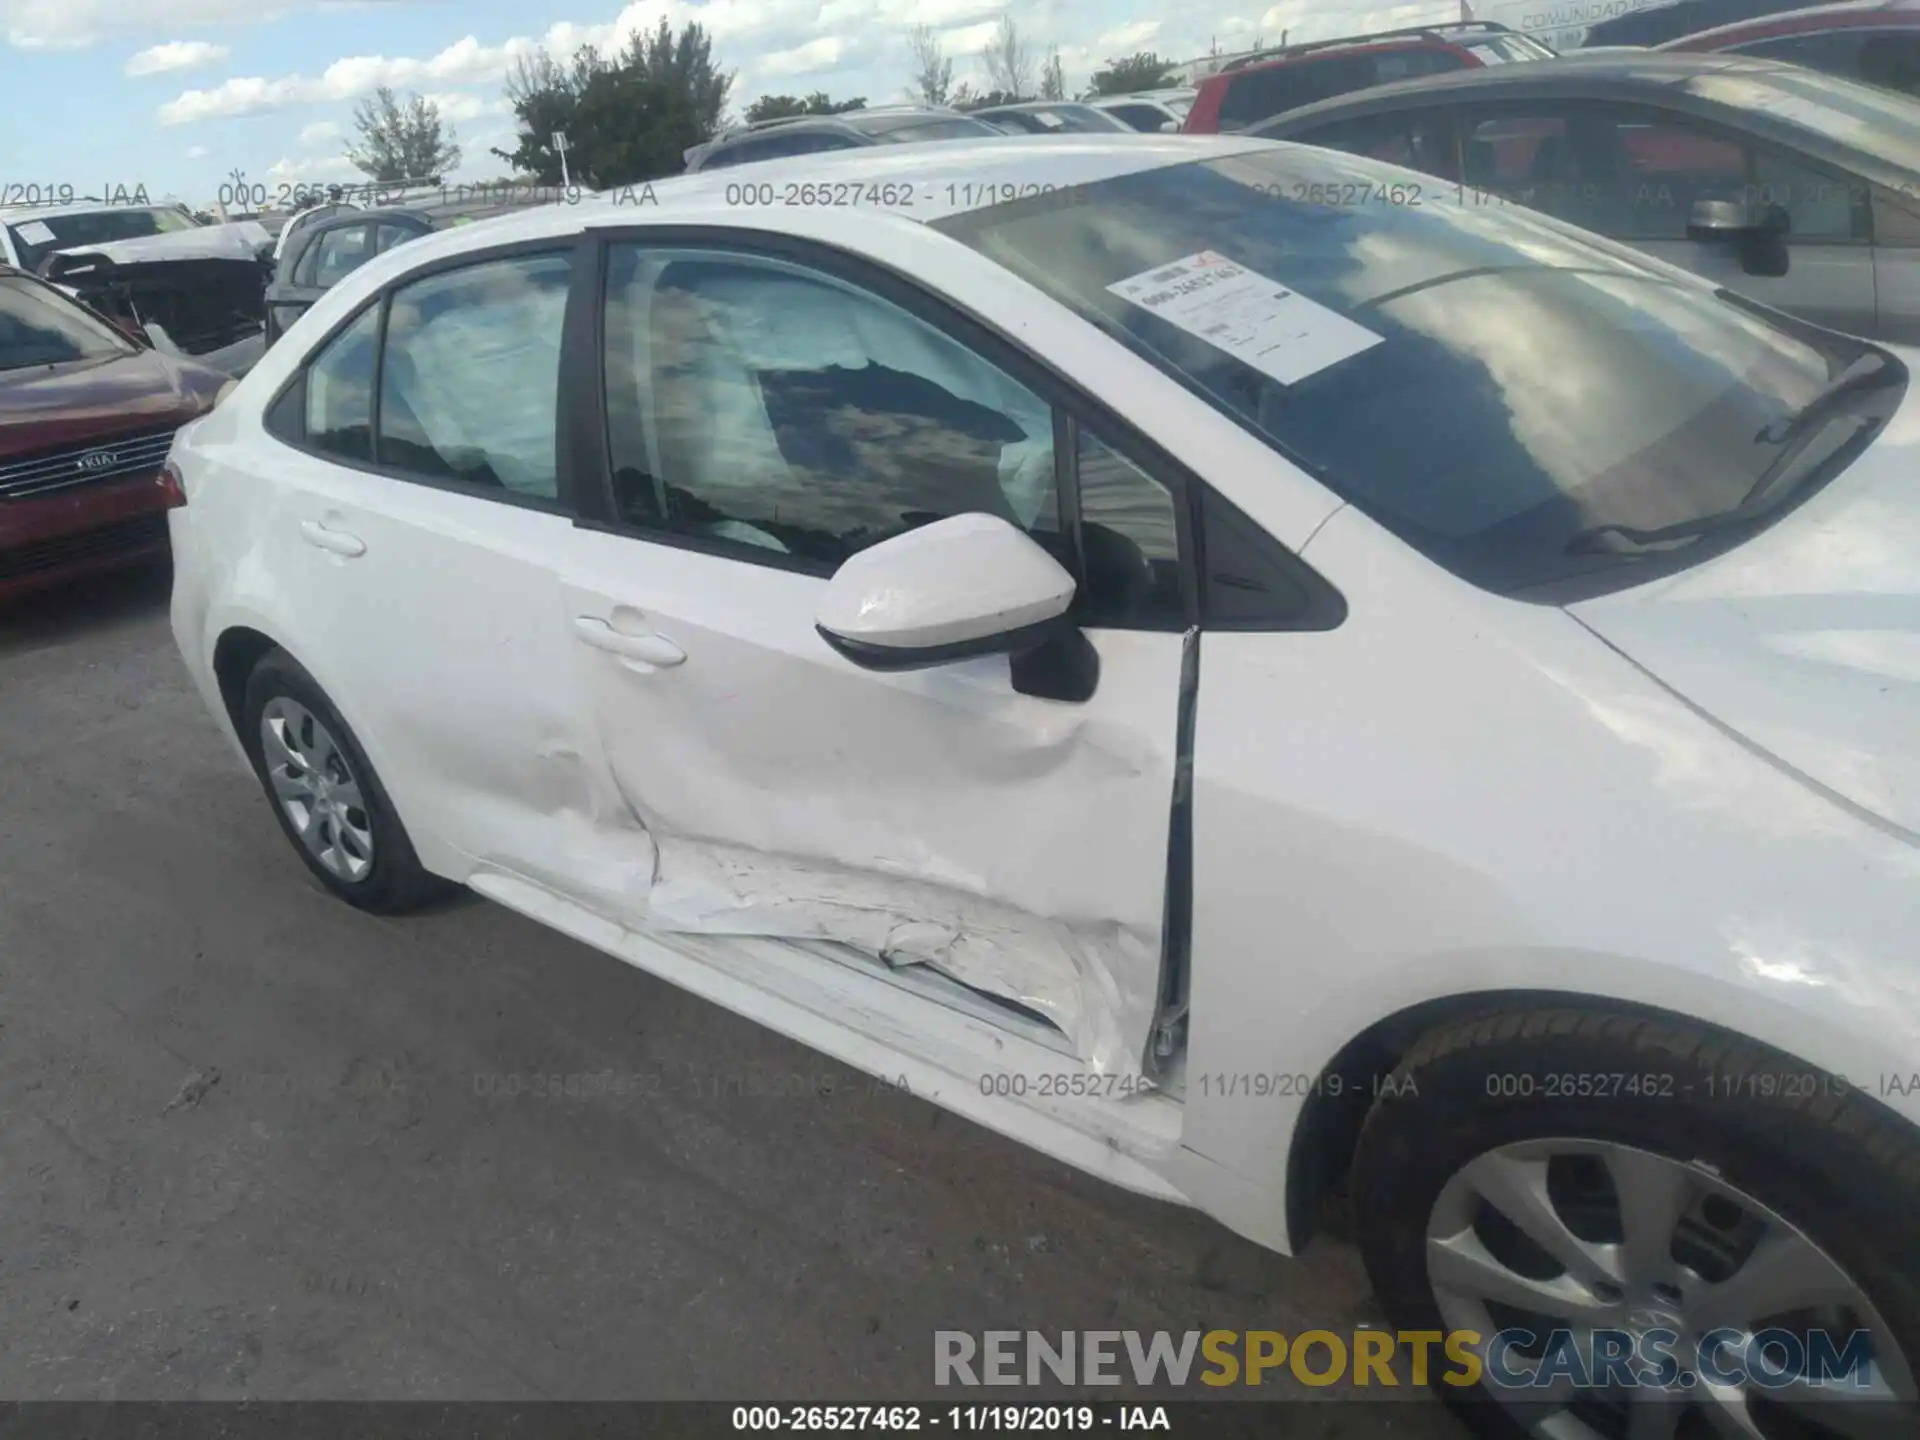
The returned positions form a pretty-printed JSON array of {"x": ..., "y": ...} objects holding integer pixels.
[
  {"x": 415, "y": 531},
  {"x": 767, "y": 413}
]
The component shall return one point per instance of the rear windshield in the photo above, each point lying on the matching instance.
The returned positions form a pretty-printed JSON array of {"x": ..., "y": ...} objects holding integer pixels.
[
  {"x": 39, "y": 327},
  {"x": 1490, "y": 385},
  {"x": 40, "y": 237}
]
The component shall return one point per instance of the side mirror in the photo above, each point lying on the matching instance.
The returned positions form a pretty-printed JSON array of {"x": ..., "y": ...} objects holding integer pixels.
[
  {"x": 1757, "y": 231},
  {"x": 962, "y": 587}
]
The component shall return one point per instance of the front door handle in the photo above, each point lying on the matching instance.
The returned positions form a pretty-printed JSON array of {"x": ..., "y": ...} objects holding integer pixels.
[
  {"x": 337, "y": 541},
  {"x": 648, "y": 649}
]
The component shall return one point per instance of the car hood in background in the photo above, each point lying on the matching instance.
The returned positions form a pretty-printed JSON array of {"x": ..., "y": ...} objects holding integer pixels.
[
  {"x": 240, "y": 240},
  {"x": 1805, "y": 640},
  {"x": 52, "y": 405}
]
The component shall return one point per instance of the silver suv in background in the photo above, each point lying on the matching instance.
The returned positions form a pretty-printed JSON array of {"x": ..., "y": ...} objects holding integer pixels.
[{"x": 806, "y": 134}]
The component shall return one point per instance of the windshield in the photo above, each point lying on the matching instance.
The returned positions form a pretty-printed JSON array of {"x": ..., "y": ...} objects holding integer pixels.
[
  {"x": 1503, "y": 49},
  {"x": 1883, "y": 123},
  {"x": 40, "y": 237},
  {"x": 40, "y": 327},
  {"x": 1488, "y": 384}
]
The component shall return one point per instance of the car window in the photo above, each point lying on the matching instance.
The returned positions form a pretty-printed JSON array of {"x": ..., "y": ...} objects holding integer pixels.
[
  {"x": 1141, "y": 117},
  {"x": 392, "y": 235},
  {"x": 337, "y": 253},
  {"x": 1835, "y": 52},
  {"x": 39, "y": 326},
  {"x": 1891, "y": 58},
  {"x": 755, "y": 402},
  {"x": 470, "y": 375},
  {"x": 773, "y": 410},
  {"x": 1417, "y": 139},
  {"x": 1391, "y": 65},
  {"x": 1131, "y": 541},
  {"x": 339, "y": 416},
  {"x": 770, "y": 147},
  {"x": 1635, "y": 173},
  {"x": 1255, "y": 95},
  {"x": 1488, "y": 385}
]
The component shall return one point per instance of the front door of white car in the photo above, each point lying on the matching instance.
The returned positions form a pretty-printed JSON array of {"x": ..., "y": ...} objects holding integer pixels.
[{"x": 765, "y": 420}]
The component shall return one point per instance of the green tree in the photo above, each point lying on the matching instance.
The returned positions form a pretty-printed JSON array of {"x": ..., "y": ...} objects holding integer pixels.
[
  {"x": 1144, "y": 71},
  {"x": 780, "y": 107},
  {"x": 402, "y": 142},
  {"x": 627, "y": 118}
]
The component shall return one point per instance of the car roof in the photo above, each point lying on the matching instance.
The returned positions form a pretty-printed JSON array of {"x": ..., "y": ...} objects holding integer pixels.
[
  {"x": 928, "y": 181},
  {"x": 1600, "y": 73},
  {"x": 1837, "y": 14},
  {"x": 1447, "y": 32}
]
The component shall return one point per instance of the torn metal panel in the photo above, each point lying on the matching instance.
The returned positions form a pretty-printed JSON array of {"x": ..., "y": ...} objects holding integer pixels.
[{"x": 1077, "y": 976}]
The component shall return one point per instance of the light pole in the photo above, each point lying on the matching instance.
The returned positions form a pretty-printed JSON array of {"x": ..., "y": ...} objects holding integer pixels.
[{"x": 560, "y": 146}]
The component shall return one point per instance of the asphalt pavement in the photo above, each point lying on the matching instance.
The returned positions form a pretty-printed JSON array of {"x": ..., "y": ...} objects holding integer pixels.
[{"x": 255, "y": 1144}]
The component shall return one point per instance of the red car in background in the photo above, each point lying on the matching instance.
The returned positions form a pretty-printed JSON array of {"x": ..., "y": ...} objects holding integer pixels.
[
  {"x": 1259, "y": 87},
  {"x": 1875, "y": 41},
  {"x": 87, "y": 416}
]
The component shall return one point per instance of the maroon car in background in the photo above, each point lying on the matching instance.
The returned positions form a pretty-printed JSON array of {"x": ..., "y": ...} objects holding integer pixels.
[
  {"x": 1875, "y": 41},
  {"x": 87, "y": 416}
]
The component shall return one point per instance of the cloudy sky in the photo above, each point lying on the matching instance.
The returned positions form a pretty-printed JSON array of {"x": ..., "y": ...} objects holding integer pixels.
[{"x": 176, "y": 95}]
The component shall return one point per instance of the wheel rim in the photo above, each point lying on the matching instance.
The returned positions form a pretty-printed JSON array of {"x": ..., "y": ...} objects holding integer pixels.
[
  {"x": 317, "y": 790},
  {"x": 1584, "y": 1236}
]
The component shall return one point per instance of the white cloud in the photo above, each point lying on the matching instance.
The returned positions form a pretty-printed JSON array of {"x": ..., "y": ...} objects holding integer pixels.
[
  {"x": 807, "y": 59},
  {"x": 76, "y": 24},
  {"x": 320, "y": 132},
  {"x": 307, "y": 169},
  {"x": 175, "y": 55},
  {"x": 459, "y": 105},
  {"x": 196, "y": 152},
  {"x": 1127, "y": 39}
]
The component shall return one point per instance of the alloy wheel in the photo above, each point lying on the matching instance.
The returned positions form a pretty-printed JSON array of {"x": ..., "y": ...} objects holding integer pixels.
[
  {"x": 1593, "y": 1249},
  {"x": 317, "y": 790}
]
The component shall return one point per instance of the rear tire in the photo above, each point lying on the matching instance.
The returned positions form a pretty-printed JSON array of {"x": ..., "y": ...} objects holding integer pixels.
[
  {"x": 325, "y": 794},
  {"x": 1565, "y": 1113}
]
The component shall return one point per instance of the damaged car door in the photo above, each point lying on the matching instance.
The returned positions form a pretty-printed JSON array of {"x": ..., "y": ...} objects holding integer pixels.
[{"x": 765, "y": 422}]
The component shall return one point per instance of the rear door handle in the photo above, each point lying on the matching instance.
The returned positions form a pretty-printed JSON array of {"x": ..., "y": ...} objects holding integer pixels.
[
  {"x": 337, "y": 541},
  {"x": 648, "y": 649}
]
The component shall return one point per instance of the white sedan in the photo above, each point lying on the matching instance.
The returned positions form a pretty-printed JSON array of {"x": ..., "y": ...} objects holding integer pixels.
[{"x": 1226, "y": 666}]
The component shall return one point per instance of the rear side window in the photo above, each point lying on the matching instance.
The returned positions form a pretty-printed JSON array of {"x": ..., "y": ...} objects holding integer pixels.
[
  {"x": 337, "y": 254},
  {"x": 1141, "y": 117},
  {"x": 339, "y": 387},
  {"x": 470, "y": 381}
]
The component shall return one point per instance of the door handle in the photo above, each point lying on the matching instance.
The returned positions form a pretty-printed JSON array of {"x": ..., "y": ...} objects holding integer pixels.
[
  {"x": 648, "y": 649},
  {"x": 338, "y": 541}
]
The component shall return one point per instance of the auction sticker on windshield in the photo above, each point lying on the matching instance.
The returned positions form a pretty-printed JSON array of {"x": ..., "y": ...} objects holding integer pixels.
[{"x": 1278, "y": 331}]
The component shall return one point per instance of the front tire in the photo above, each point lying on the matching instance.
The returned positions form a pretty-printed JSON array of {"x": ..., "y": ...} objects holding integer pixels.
[
  {"x": 329, "y": 802},
  {"x": 1607, "y": 1179}
]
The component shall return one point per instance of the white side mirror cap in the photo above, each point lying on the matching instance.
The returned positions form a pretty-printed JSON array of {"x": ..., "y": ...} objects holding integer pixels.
[{"x": 966, "y": 585}]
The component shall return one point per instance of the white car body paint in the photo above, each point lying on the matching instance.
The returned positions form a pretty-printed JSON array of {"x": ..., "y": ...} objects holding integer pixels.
[{"x": 1451, "y": 794}]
